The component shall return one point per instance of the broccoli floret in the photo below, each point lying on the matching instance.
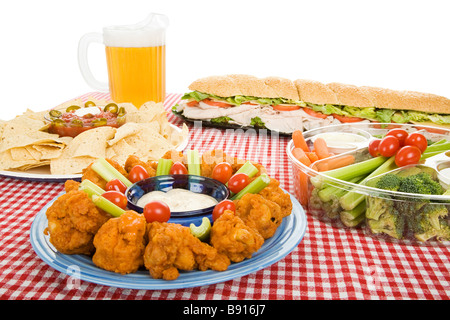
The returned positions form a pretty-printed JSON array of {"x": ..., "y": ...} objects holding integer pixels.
[
  {"x": 421, "y": 183},
  {"x": 430, "y": 223},
  {"x": 389, "y": 181},
  {"x": 441, "y": 234},
  {"x": 390, "y": 222},
  {"x": 435, "y": 214},
  {"x": 377, "y": 206}
]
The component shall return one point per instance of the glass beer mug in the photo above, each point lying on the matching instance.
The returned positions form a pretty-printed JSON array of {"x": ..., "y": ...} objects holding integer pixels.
[{"x": 136, "y": 60}]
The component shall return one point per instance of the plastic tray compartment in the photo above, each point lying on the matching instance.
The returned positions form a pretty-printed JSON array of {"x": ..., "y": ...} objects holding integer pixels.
[{"x": 310, "y": 186}]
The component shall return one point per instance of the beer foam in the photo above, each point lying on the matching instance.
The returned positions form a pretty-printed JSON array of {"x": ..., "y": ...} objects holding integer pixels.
[{"x": 149, "y": 33}]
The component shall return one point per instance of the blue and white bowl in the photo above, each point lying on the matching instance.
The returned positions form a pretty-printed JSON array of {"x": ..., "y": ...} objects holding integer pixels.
[{"x": 194, "y": 183}]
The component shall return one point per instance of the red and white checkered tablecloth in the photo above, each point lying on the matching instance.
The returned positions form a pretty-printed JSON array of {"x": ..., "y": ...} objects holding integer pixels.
[{"x": 329, "y": 263}]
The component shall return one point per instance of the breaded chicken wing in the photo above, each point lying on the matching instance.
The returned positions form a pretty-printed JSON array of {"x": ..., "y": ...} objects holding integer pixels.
[
  {"x": 120, "y": 243},
  {"x": 259, "y": 213},
  {"x": 232, "y": 237},
  {"x": 210, "y": 159},
  {"x": 90, "y": 174},
  {"x": 73, "y": 221},
  {"x": 274, "y": 193},
  {"x": 171, "y": 247},
  {"x": 70, "y": 185}
]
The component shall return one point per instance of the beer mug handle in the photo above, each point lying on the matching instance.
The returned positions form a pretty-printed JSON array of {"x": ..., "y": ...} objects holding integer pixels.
[{"x": 83, "y": 63}]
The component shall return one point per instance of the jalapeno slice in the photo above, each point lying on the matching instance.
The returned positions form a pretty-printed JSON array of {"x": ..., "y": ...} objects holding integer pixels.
[
  {"x": 55, "y": 113},
  {"x": 89, "y": 104},
  {"x": 99, "y": 122},
  {"x": 111, "y": 107},
  {"x": 121, "y": 112},
  {"x": 76, "y": 123},
  {"x": 58, "y": 122},
  {"x": 72, "y": 108}
]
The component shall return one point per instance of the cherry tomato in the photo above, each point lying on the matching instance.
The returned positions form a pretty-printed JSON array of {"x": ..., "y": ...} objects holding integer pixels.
[
  {"x": 116, "y": 197},
  {"x": 156, "y": 211},
  {"x": 400, "y": 134},
  {"x": 221, "y": 207},
  {"x": 138, "y": 173},
  {"x": 373, "y": 147},
  {"x": 178, "y": 168},
  {"x": 222, "y": 172},
  {"x": 238, "y": 182},
  {"x": 388, "y": 146},
  {"x": 407, "y": 155},
  {"x": 116, "y": 185},
  {"x": 417, "y": 139}
]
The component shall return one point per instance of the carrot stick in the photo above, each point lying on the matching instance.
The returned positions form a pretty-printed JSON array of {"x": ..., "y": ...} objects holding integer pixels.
[
  {"x": 303, "y": 188},
  {"x": 334, "y": 163},
  {"x": 321, "y": 149},
  {"x": 301, "y": 156},
  {"x": 312, "y": 156},
  {"x": 299, "y": 140}
]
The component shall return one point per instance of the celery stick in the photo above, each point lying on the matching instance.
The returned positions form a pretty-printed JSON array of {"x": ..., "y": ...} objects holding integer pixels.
[
  {"x": 254, "y": 187},
  {"x": 163, "y": 167},
  {"x": 352, "y": 198},
  {"x": 249, "y": 169},
  {"x": 354, "y": 217},
  {"x": 91, "y": 188},
  {"x": 438, "y": 147},
  {"x": 331, "y": 190},
  {"x": 107, "y": 206},
  {"x": 429, "y": 154},
  {"x": 350, "y": 171},
  {"x": 203, "y": 230},
  {"x": 108, "y": 172},
  {"x": 193, "y": 162}
]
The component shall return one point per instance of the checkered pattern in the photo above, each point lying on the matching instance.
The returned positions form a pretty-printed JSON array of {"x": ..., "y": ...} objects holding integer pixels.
[{"x": 329, "y": 263}]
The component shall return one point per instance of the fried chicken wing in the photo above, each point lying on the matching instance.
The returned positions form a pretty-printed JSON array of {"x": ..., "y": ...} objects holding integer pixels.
[
  {"x": 171, "y": 247},
  {"x": 210, "y": 159},
  {"x": 259, "y": 213},
  {"x": 70, "y": 185},
  {"x": 232, "y": 237},
  {"x": 274, "y": 193},
  {"x": 120, "y": 243},
  {"x": 90, "y": 174},
  {"x": 73, "y": 221}
]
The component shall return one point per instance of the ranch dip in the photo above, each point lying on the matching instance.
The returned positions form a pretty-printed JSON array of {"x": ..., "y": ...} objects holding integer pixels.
[{"x": 179, "y": 200}]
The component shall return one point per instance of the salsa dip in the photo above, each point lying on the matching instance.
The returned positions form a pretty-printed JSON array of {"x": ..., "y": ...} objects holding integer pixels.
[{"x": 179, "y": 200}]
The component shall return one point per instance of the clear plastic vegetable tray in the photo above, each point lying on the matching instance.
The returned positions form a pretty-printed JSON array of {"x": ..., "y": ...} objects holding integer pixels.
[{"x": 401, "y": 217}]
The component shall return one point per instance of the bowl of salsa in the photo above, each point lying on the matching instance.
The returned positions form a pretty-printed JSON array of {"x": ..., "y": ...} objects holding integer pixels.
[{"x": 73, "y": 120}]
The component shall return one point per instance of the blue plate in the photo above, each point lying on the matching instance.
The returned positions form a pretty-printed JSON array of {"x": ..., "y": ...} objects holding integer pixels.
[{"x": 287, "y": 237}]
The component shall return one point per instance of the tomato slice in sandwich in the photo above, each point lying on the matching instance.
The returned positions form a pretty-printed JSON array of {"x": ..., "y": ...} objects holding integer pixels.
[
  {"x": 313, "y": 113},
  {"x": 192, "y": 103},
  {"x": 281, "y": 107},
  {"x": 347, "y": 119},
  {"x": 217, "y": 103}
]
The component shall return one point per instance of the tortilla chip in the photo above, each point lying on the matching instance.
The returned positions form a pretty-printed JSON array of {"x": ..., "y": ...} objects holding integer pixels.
[
  {"x": 70, "y": 166},
  {"x": 130, "y": 129},
  {"x": 91, "y": 143}
]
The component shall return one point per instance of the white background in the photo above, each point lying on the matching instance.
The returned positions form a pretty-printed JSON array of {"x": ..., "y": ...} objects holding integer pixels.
[{"x": 395, "y": 44}]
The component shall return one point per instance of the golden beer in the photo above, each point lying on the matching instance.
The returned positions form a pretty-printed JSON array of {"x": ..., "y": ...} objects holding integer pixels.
[{"x": 137, "y": 74}]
